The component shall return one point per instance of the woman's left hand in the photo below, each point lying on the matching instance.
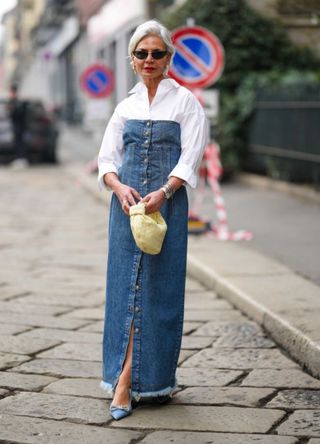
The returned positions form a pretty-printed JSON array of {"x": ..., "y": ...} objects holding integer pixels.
[{"x": 153, "y": 201}]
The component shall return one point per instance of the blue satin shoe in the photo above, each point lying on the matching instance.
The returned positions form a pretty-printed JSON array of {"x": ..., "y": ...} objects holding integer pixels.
[{"x": 121, "y": 411}]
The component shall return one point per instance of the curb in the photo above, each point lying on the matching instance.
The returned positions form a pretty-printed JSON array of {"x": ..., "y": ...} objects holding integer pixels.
[
  {"x": 304, "y": 192},
  {"x": 299, "y": 346}
]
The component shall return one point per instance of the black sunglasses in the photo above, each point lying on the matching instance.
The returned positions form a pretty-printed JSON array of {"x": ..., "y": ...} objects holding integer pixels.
[{"x": 157, "y": 55}]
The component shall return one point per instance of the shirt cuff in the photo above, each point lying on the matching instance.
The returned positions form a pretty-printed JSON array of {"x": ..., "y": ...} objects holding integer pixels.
[
  {"x": 104, "y": 169},
  {"x": 186, "y": 173}
]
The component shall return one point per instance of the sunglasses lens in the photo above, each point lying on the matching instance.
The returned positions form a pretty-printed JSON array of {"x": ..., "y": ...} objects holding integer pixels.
[
  {"x": 140, "y": 54},
  {"x": 157, "y": 55}
]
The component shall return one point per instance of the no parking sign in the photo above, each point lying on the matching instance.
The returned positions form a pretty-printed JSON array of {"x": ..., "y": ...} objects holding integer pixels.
[
  {"x": 97, "y": 81},
  {"x": 199, "y": 58}
]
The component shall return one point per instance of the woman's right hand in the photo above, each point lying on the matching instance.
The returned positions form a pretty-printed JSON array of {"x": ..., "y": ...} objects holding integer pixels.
[{"x": 127, "y": 196}]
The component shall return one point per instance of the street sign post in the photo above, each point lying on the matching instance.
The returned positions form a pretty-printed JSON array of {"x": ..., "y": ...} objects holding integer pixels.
[
  {"x": 199, "y": 58},
  {"x": 97, "y": 81}
]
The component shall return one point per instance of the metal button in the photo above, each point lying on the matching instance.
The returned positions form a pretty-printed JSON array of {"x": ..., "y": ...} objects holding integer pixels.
[
  {"x": 137, "y": 287},
  {"x": 146, "y": 142},
  {"x": 137, "y": 309},
  {"x": 145, "y": 182},
  {"x": 146, "y": 160},
  {"x": 136, "y": 330},
  {"x": 148, "y": 123}
]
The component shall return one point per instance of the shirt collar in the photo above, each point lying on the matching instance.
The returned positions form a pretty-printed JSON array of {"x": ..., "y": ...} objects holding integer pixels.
[{"x": 164, "y": 85}]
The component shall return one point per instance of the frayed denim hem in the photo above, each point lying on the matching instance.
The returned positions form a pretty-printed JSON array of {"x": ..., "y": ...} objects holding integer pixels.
[
  {"x": 106, "y": 386},
  {"x": 168, "y": 391}
]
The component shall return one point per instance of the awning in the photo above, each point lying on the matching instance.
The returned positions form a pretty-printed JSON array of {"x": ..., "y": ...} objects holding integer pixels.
[{"x": 69, "y": 32}]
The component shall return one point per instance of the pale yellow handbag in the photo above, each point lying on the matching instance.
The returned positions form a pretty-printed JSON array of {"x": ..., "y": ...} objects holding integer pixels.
[{"x": 148, "y": 230}]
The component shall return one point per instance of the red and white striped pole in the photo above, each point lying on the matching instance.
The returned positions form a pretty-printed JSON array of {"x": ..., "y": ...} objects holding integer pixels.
[{"x": 214, "y": 171}]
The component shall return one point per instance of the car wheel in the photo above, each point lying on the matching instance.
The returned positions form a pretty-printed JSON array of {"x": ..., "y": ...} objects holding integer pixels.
[{"x": 50, "y": 156}]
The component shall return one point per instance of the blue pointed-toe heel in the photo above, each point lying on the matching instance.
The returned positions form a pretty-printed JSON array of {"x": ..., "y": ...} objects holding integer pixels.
[{"x": 121, "y": 411}]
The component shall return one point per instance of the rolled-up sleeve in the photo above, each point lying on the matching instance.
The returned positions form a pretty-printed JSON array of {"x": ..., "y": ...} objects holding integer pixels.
[
  {"x": 194, "y": 137},
  {"x": 110, "y": 154}
]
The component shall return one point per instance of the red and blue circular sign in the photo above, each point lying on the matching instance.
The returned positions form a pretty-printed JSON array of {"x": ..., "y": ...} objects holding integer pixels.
[
  {"x": 199, "y": 58},
  {"x": 97, "y": 81}
]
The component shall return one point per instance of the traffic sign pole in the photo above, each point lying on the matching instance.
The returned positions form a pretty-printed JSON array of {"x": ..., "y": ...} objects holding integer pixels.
[{"x": 198, "y": 63}]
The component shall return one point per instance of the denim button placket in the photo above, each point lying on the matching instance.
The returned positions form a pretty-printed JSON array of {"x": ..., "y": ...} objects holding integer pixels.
[{"x": 146, "y": 142}]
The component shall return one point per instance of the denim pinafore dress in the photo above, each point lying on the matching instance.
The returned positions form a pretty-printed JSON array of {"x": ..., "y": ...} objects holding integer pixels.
[{"x": 146, "y": 290}]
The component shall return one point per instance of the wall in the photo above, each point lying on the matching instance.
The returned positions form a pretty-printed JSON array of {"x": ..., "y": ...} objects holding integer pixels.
[{"x": 303, "y": 28}]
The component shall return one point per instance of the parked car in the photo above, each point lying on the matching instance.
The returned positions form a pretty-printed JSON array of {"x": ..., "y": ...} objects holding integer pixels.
[{"x": 40, "y": 134}]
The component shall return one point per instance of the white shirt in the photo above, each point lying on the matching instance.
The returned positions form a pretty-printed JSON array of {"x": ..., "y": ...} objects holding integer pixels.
[{"x": 171, "y": 102}]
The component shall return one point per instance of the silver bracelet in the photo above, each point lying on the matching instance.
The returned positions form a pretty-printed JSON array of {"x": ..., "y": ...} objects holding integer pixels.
[{"x": 168, "y": 190}]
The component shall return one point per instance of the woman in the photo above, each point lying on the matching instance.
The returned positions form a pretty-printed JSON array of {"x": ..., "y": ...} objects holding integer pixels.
[{"x": 152, "y": 147}]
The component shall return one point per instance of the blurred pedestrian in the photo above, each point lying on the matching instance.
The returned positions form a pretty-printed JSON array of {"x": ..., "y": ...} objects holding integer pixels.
[
  {"x": 151, "y": 149},
  {"x": 17, "y": 113}
]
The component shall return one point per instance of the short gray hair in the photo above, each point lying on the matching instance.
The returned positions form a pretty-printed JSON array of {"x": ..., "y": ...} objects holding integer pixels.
[{"x": 151, "y": 27}]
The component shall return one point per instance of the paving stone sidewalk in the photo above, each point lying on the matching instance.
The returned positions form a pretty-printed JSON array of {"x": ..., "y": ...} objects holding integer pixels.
[{"x": 236, "y": 386}]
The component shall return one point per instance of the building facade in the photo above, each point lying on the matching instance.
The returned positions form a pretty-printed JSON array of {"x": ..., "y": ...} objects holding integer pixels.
[{"x": 300, "y": 18}]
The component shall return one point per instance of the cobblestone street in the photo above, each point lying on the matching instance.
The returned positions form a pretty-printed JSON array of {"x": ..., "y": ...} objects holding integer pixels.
[{"x": 236, "y": 385}]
